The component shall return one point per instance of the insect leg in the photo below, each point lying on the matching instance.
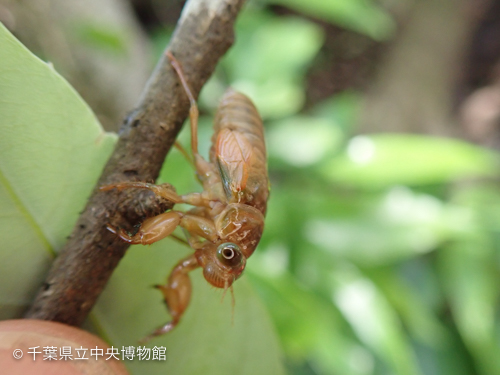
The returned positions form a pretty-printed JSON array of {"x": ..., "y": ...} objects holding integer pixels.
[
  {"x": 160, "y": 190},
  {"x": 157, "y": 228},
  {"x": 152, "y": 230},
  {"x": 180, "y": 240},
  {"x": 193, "y": 109},
  {"x": 202, "y": 166},
  {"x": 199, "y": 226},
  {"x": 177, "y": 294},
  {"x": 194, "y": 199},
  {"x": 184, "y": 153}
]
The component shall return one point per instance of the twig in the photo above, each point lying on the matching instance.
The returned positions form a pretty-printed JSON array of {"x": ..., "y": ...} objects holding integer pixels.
[{"x": 79, "y": 274}]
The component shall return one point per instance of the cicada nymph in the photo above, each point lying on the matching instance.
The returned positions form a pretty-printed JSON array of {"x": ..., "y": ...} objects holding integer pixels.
[{"x": 227, "y": 219}]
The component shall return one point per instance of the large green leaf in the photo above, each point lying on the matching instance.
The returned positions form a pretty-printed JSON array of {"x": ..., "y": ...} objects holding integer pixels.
[{"x": 52, "y": 150}]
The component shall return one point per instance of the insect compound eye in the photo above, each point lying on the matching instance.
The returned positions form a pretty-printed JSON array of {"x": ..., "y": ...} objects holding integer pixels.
[{"x": 229, "y": 254}]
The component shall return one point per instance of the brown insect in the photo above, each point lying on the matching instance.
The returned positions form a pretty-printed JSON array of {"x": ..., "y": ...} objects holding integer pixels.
[{"x": 227, "y": 220}]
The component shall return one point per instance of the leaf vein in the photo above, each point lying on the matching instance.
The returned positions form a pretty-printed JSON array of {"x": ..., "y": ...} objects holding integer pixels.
[{"x": 26, "y": 214}]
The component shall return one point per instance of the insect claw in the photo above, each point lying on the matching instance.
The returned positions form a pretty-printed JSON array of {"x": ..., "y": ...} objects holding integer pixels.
[
  {"x": 112, "y": 228},
  {"x": 158, "y": 332},
  {"x": 106, "y": 187},
  {"x": 145, "y": 339}
]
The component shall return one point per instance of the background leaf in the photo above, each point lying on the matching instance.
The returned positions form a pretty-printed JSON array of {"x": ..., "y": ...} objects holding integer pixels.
[
  {"x": 386, "y": 159},
  {"x": 361, "y": 15}
]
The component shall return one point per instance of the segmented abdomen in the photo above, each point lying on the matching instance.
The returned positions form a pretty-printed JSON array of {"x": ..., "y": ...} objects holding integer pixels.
[{"x": 239, "y": 151}]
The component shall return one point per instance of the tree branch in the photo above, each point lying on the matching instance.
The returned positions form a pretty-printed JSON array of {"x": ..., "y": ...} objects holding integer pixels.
[{"x": 78, "y": 275}]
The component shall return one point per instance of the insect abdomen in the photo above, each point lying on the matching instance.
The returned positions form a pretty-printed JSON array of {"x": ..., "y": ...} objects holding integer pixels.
[{"x": 238, "y": 148}]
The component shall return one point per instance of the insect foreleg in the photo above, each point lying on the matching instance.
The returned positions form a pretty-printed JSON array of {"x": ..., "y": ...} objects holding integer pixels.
[
  {"x": 194, "y": 199},
  {"x": 159, "y": 190},
  {"x": 152, "y": 230},
  {"x": 157, "y": 228},
  {"x": 199, "y": 226}
]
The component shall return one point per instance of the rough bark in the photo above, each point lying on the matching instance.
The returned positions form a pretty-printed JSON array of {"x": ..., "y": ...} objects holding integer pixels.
[{"x": 79, "y": 274}]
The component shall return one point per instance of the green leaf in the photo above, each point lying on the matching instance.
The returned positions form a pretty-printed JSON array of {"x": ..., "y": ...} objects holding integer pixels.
[
  {"x": 374, "y": 162},
  {"x": 302, "y": 141},
  {"x": 373, "y": 319},
  {"x": 52, "y": 150},
  {"x": 402, "y": 224},
  {"x": 419, "y": 319},
  {"x": 280, "y": 47},
  {"x": 309, "y": 328},
  {"x": 471, "y": 283},
  {"x": 363, "y": 16},
  {"x": 469, "y": 271}
]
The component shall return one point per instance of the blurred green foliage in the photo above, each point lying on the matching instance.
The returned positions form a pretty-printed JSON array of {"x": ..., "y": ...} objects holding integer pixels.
[
  {"x": 364, "y": 16},
  {"x": 102, "y": 37},
  {"x": 381, "y": 253}
]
